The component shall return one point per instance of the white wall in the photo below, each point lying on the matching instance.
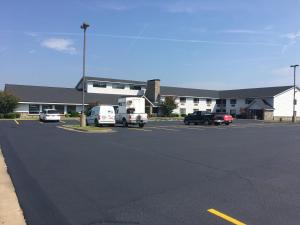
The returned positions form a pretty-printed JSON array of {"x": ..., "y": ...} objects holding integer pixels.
[
  {"x": 22, "y": 108},
  {"x": 110, "y": 90},
  {"x": 283, "y": 104},
  {"x": 189, "y": 105}
]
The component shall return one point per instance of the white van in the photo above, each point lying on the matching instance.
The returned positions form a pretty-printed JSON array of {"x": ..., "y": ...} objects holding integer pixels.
[{"x": 102, "y": 114}]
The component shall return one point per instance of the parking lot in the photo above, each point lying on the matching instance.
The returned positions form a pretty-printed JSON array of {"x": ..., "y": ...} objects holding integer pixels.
[{"x": 166, "y": 173}]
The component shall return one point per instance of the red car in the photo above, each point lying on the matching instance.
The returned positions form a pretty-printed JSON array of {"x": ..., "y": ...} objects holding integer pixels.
[{"x": 223, "y": 119}]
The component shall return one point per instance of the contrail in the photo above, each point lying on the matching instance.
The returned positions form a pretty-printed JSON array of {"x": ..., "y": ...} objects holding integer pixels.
[{"x": 150, "y": 38}]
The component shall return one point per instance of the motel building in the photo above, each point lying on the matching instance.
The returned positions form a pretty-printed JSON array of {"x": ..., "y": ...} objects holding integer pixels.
[{"x": 267, "y": 103}]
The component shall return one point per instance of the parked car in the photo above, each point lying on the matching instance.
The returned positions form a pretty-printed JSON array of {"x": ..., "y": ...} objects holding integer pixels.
[
  {"x": 131, "y": 110},
  {"x": 100, "y": 115},
  {"x": 50, "y": 115},
  {"x": 199, "y": 117},
  {"x": 223, "y": 119}
]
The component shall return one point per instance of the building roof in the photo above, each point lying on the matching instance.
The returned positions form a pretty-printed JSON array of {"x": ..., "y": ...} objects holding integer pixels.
[
  {"x": 27, "y": 93},
  {"x": 177, "y": 91},
  {"x": 259, "y": 103},
  {"x": 253, "y": 92},
  {"x": 105, "y": 79}
]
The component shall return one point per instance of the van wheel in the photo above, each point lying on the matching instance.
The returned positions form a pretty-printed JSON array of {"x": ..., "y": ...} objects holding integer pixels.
[
  {"x": 124, "y": 122},
  {"x": 96, "y": 123},
  {"x": 141, "y": 125}
]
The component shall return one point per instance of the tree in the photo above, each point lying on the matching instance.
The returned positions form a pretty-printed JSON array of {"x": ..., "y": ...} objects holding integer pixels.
[
  {"x": 8, "y": 102},
  {"x": 168, "y": 105}
]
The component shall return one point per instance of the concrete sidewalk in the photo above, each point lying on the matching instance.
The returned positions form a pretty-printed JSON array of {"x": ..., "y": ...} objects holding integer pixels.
[{"x": 10, "y": 211}]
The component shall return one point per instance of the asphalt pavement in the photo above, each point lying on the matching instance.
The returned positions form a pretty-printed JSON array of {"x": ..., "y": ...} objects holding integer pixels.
[{"x": 164, "y": 174}]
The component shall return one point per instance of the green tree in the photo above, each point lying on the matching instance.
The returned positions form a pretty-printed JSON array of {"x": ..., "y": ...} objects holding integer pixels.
[
  {"x": 168, "y": 105},
  {"x": 8, "y": 102}
]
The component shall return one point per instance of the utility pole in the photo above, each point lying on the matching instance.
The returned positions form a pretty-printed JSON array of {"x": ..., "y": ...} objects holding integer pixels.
[
  {"x": 84, "y": 26},
  {"x": 294, "y": 100}
]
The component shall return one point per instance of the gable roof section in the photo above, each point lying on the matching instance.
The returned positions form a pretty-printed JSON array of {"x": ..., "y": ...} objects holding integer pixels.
[
  {"x": 254, "y": 92},
  {"x": 177, "y": 91},
  {"x": 27, "y": 93},
  {"x": 105, "y": 79},
  {"x": 259, "y": 103}
]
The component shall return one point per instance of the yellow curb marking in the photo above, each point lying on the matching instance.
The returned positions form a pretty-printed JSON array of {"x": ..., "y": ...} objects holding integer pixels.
[
  {"x": 225, "y": 217},
  {"x": 16, "y": 122}
]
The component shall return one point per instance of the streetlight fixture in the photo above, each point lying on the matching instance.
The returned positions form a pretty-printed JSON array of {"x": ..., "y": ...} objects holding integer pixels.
[
  {"x": 294, "y": 101},
  {"x": 84, "y": 26}
]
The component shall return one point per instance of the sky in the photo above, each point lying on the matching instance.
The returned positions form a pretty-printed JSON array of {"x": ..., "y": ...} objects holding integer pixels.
[{"x": 207, "y": 44}]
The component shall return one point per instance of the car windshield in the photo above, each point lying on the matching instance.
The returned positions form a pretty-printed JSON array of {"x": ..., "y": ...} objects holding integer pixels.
[{"x": 52, "y": 112}]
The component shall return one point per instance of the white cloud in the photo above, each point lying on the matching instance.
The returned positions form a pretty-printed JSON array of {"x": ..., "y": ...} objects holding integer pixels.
[
  {"x": 32, "y": 51},
  {"x": 31, "y": 34},
  {"x": 241, "y": 31},
  {"x": 60, "y": 44},
  {"x": 292, "y": 40}
]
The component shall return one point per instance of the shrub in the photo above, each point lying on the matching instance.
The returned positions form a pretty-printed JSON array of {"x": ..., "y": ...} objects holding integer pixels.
[
  {"x": 183, "y": 115},
  {"x": 1, "y": 115},
  {"x": 74, "y": 114},
  {"x": 11, "y": 115},
  {"x": 174, "y": 115}
]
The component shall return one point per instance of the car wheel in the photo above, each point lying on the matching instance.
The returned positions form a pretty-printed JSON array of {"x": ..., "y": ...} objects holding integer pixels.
[
  {"x": 195, "y": 123},
  {"x": 141, "y": 125},
  {"x": 124, "y": 122}
]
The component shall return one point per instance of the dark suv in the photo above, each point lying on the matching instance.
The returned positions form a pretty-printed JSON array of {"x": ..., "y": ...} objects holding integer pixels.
[{"x": 199, "y": 117}]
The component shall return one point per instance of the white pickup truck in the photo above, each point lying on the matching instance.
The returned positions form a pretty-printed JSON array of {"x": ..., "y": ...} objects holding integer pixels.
[{"x": 131, "y": 110}]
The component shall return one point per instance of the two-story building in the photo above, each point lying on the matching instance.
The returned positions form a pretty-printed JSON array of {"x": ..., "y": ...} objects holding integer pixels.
[{"x": 270, "y": 103}]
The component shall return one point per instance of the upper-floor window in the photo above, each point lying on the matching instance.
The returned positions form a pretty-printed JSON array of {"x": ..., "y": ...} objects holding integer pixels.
[
  {"x": 118, "y": 86},
  {"x": 220, "y": 102},
  {"x": 196, "y": 100},
  {"x": 248, "y": 100},
  {"x": 99, "y": 84},
  {"x": 208, "y": 101},
  {"x": 182, "y": 100},
  {"x": 232, "y": 101},
  {"x": 135, "y": 87}
]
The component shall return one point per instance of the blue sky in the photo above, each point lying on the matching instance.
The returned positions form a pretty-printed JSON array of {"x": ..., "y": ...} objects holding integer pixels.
[{"x": 202, "y": 44}]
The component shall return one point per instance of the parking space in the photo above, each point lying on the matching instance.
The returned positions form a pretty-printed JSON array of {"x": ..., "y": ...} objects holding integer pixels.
[{"x": 166, "y": 173}]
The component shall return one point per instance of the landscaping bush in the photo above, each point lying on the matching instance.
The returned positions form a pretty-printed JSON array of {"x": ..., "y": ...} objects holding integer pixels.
[
  {"x": 8, "y": 102},
  {"x": 11, "y": 115},
  {"x": 183, "y": 115},
  {"x": 74, "y": 114},
  {"x": 1, "y": 115},
  {"x": 174, "y": 115}
]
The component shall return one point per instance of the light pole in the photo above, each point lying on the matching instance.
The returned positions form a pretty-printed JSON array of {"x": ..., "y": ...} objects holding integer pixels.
[
  {"x": 294, "y": 100},
  {"x": 84, "y": 26}
]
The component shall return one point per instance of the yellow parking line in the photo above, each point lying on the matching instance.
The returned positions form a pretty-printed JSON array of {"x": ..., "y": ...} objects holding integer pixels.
[
  {"x": 17, "y": 122},
  {"x": 226, "y": 217},
  {"x": 139, "y": 129},
  {"x": 161, "y": 128}
]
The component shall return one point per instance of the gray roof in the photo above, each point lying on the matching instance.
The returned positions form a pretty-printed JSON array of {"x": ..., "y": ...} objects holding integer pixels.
[
  {"x": 253, "y": 92},
  {"x": 87, "y": 78},
  {"x": 259, "y": 103},
  {"x": 177, "y": 91},
  {"x": 27, "y": 93}
]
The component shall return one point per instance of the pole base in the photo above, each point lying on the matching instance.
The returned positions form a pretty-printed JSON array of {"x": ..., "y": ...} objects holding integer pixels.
[{"x": 82, "y": 120}]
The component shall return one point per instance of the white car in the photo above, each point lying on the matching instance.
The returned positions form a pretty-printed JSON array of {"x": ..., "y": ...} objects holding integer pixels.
[
  {"x": 100, "y": 115},
  {"x": 50, "y": 115}
]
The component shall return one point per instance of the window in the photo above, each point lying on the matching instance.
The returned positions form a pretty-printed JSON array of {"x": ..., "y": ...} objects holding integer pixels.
[
  {"x": 118, "y": 86},
  {"x": 182, "y": 111},
  {"x": 221, "y": 102},
  {"x": 218, "y": 110},
  {"x": 208, "y": 101},
  {"x": 46, "y": 107},
  {"x": 195, "y": 110},
  {"x": 232, "y": 112},
  {"x": 182, "y": 100},
  {"x": 71, "y": 108},
  {"x": 99, "y": 84},
  {"x": 60, "y": 109},
  {"x": 34, "y": 109},
  {"x": 135, "y": 87},
  {"x": 196, "y": 100},
  {"x": 232, "y": 101},
  {"x": 248, "y": 100},
  {"x": 208, "y": 110}
]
